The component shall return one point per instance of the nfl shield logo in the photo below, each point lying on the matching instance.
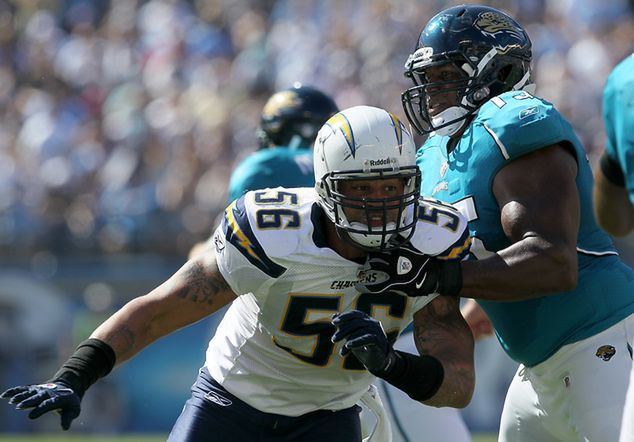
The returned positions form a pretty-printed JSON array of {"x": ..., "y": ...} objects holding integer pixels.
[{"x": 403, "y": 265}]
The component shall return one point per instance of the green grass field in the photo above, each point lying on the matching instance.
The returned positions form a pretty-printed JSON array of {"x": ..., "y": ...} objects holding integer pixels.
[
  {"x": 80, "y": 438},
  {"x": 132, "y": 438}
]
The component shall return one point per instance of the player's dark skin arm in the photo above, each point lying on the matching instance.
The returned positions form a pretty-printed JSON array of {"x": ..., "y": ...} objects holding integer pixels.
[
  {"x": 539, "y": 205},
  {"x": 612, "y": 206},
  {"x": 194, "y": 292},
  {"x": 441, "y": 331}
]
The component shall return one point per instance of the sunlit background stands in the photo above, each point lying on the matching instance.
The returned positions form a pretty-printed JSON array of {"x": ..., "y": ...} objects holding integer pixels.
[{"x": 120, "y": 122}]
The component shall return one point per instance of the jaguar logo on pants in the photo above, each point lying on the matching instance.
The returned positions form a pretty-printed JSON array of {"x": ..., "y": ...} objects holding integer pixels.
[{"x": 605, "y": 352}]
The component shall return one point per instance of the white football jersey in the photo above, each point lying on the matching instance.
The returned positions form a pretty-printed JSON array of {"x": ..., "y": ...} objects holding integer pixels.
[{"x": 273, "y": 349}]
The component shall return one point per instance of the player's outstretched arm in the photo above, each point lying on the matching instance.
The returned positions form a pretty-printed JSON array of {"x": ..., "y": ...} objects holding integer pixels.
[
  {"x": 441, "y": 331},
  {"x": 539, "y": 214},
  {"x": 192, "y": 293},
  {"x": 539, "y": 204}
]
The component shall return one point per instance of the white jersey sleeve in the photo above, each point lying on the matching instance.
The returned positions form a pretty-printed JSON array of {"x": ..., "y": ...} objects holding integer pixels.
[
  {"x": 241, "y": 258},
  {"x": 237, "y": 271},
  {"x": 442, "y": 231}
]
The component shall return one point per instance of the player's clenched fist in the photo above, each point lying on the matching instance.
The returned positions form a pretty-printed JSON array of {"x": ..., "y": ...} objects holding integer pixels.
[
  {"x": 365, "y": 338},
  {"x": 43, "y": 398}
]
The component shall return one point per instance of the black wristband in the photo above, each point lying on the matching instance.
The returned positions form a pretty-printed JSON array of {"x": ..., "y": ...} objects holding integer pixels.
[
  {"x": 612, "y": 170},
  {"x": 450, "y": 278},
  {"x": 92, "y": 360},
  {"x": 418, "y": 376}
]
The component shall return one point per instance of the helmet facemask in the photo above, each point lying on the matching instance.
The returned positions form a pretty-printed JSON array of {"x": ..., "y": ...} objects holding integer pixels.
[
  {"x": 417, "y": 100},
  {"x": 372, "y": 223}
]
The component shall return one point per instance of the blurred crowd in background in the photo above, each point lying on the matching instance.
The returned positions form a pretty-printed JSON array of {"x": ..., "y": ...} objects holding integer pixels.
[{"x": 120, "y": 120}]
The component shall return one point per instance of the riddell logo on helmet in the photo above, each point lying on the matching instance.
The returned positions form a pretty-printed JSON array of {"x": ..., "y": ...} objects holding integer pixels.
[
  {"x": 381, "y": 162},
  {"x": 424, "y": 53}
]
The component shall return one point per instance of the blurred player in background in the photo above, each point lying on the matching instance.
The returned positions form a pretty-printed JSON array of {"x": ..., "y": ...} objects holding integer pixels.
[
  {"x": 288, "y": 126},
  {"x": 290, "y": 121},
  {"x": 300, "y": 345},
  {"x": 614, "y": 188},
  {"x": 550, "y": 280},
  {"x": 614, "y": 181}
]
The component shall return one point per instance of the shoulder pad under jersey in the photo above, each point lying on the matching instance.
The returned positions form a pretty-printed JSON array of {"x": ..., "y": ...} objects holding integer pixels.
[
  {"x": 442, "y": 231},
  {"x": 520, "y": 123},
  {"x": 268, "y": 224}
]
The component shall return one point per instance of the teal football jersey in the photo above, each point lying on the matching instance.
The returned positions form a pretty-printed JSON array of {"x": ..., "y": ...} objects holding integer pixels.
[
  {"x": 272, "y": 167},
  {"x": 618, "y": 116},
  {"x": 505, "y": 128}
]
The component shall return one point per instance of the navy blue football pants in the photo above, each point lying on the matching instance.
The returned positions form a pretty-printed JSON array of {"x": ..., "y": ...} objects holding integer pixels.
[{"x": 214, "y": 414}]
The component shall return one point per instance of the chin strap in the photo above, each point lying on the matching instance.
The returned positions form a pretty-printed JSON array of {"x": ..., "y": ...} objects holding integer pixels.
[
  {"x": 373, "y": 237},
  {"x": 450, "y": 114}
]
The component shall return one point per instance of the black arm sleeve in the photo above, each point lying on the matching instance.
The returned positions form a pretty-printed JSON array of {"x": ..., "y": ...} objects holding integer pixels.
[
  {"x": 418, "y": 376},
  {"x": 92, "y": 360},
  {"x": 612, "y": 170}
]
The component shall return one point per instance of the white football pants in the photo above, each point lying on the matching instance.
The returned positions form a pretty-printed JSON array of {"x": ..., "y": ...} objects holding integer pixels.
[{"x": 576, "y": 395}]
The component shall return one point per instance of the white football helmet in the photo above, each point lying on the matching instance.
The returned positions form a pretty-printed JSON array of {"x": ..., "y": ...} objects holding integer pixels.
[{"x": 367, "y": 143}]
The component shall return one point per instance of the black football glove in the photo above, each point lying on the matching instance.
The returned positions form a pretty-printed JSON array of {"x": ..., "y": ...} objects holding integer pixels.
[
  {"x": 43, "y": 398},
  {"x": 410, "y": 272},
  {"x": 365, "y": 338}
]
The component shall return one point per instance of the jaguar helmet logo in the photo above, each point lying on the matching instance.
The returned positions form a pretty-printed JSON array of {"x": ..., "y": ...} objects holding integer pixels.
[
  {"x": 279, "y": 102},
  {"x": 493, "y": 23},
  {"x": 605, "y": 352}
]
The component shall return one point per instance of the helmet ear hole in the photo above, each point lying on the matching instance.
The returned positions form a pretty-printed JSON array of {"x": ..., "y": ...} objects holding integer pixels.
[
  {"x": 504, "y": 72},
  {"x": 480, "y": 94}
]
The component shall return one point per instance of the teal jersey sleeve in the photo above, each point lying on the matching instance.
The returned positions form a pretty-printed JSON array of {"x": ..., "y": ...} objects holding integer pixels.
[
  {"x": 618, "y": 117},
  {"x": 251, "y": 174},
  {"x": 273, "y": 167},
  {"x": 520, "y": 124}
]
